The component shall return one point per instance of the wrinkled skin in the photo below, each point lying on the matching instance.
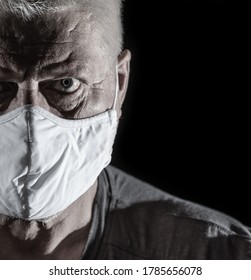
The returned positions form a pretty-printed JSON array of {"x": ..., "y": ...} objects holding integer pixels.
[{"x": 34, "y": 59}]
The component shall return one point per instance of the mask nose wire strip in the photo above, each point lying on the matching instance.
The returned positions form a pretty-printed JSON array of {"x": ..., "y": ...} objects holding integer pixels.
[
  {"x": 29, "y": 128},
  {"x": 25, "y": 191}
]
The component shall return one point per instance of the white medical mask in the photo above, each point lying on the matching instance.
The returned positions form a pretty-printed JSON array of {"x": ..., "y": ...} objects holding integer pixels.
[{"x": 47, "y": 162}]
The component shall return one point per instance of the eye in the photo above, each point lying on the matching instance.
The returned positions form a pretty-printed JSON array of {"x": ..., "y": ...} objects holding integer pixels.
[{"x": 68, "y": 85}]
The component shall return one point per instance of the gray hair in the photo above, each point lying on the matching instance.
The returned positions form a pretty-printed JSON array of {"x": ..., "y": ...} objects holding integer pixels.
[
  {"x": 106, "y": 13},
  {"x": 26, "y": 9}
]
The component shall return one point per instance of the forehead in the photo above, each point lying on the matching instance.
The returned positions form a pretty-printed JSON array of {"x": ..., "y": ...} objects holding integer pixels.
[{"x": 68, "y": 36}]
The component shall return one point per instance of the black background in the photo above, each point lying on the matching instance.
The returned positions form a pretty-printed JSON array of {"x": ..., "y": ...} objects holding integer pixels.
[{"x": 185, "y": 126}]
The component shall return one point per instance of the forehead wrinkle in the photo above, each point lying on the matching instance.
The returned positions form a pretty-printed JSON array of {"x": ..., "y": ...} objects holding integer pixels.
[
  {"x": 61, "y": 25},
  {"x": 42, "y": 45},
  {"x": 76, "y": 48}
]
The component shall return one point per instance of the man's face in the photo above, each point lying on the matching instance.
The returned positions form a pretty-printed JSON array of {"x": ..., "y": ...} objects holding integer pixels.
[{"x": 57, "y": 62}]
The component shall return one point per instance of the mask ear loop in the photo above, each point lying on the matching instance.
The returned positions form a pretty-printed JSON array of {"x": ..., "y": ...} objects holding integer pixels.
[{"x": 116, "y": 90}]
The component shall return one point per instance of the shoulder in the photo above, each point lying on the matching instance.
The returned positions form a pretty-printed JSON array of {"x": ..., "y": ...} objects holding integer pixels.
[{"x": 149, "y": 223}]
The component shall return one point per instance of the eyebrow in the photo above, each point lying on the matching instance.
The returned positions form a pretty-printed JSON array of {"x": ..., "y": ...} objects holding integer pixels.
[
  {"x": 51, "y": 70},
  {"x": 6, "y": 73},
  {"x": 63, "y": 69}
]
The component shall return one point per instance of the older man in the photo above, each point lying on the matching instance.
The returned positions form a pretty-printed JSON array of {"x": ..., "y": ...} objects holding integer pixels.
[{"x": 63, "y": 79}]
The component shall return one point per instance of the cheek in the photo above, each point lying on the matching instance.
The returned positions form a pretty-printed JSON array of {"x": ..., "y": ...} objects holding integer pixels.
[
  {"x": 64, "y": 103},
  {"x": 100, "y": 99},
  {"x": 97, "y": 102}
]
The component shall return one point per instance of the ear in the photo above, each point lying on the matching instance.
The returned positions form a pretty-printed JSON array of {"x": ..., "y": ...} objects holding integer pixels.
[{"x": 123, "y": 76}]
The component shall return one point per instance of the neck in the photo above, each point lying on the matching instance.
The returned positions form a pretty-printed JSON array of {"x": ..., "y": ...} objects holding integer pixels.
[{"x": 63, "y": 237}]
